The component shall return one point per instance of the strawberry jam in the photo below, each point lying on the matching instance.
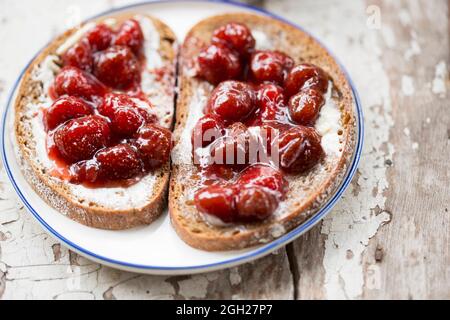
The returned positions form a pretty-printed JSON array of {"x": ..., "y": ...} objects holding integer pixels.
[
  {"x": 65, "y": 108},
  {"x": 232, "y": 101},
  {"x": 101, "y": 127},
  {"x": 236, "y": 36},
  {"x": 270, "y": 66},
  {"x": 219, "y": 63},
  {"x": 258, "y": 126}
]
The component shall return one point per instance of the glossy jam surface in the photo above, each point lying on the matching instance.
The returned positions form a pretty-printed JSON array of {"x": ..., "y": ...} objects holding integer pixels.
[
  {"x": 271, "y": 66},
  {"x": 258, "y": 126},
  {"x": 232, "y": 101},
  {"x": 219, "y": 63},
  {"x": 101, "y": 130},
  {"x": 236, "y": 36},
  {"x": 117, "y": 67}
]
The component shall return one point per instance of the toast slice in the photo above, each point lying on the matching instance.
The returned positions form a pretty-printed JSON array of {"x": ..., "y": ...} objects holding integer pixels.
[
  {"x": 308, "y": 192},
  {"x": 105, "y": 208}
]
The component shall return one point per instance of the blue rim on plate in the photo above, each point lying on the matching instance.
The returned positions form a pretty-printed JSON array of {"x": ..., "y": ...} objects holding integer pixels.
[{"x": 265, "y": 249}]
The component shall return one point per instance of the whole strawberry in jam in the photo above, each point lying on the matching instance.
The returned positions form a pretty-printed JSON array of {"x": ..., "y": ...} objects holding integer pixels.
[
  {"x": 100, "y": 37},
  {"x": 79, "y": 55},
  {"x": 80, "y": 138},
  {"x": 300, "y": 149},
  {"x": 232, "y": 101},
  {"x": 217, "y": 63},
  {"x": 118, "y": 162},
  {"x": 85, "y": 171},
  {"x": 126, "y": 121},
  {"x": 208, "y": 128},
  {"x": 237, "y": 36},
  {"x": 130, "y": 35},
  {"x": 114, "y": 101},
  {"x": 233, "y": 148},
  {"x": 271, "y": 66},
  {"x": 255, "y": 204},
  {"x": 117, "y": 67},
  {"x": 75, "y": 82},
  {"x": 126, "y": 118},
  {"x": 154, "y": 144},
  {"x": 63, "y": 109},
  {"x": 263, "y": 176},
  {"x": 304, "y": 107},
  {"x": 305, "y": 76},
  {"x": 148, "y": 115},
  {"x": 269, "y": 94},
  {"x": 264, "y": 141},
  {"x": 271, "y": 104},
  {"x": 218, "y": 201}
]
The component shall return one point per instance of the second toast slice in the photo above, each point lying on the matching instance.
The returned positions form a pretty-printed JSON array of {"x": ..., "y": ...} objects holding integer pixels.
[{"x": 307, "y": 192}]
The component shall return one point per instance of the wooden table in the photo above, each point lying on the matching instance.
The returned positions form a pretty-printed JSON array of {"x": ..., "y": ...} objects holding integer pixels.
[{"x": 387, "y": 238}]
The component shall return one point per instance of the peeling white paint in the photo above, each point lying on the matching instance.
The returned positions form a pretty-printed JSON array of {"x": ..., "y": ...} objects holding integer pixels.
[
  {"x": 405, "y": 17},
  {"x": 406, "y": 131},
  {"x": 195, "y": 287},
  {"x": 388, "y": 36},
  {"x": 413, "y": 50},
  {"x": 212, "y": 276},
  {"x": 414, "y": 47},
  {"x": 407, "y": 86},
  {"x": 438, "y": 85},
  {"x": 235, "y": 277}
]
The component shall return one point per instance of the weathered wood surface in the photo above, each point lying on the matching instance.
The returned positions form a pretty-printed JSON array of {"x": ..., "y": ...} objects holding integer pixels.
[{"x": 387, "y": 238}]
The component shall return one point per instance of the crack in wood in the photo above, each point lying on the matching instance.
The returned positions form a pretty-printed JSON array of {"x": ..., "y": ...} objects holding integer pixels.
[
  {"x": 55, "y": 278},
  {"x": 3, "y": 237},
  {"x": 56, "y": 248},
  {"x": 63, "y": 294},
  {"x": 2, "y": 283},
  {"x": 10, "y": 222},
  {"x": 173, "y": 281},
  {"x": 108, "y": 294},
  {"x": 73, "y": 258},
  {"x": 379, "y": 253},
  {"x": 293, "y": 268}
]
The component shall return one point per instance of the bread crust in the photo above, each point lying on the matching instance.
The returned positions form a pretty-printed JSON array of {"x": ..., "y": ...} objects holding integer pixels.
[
  {"x": 308, "y": 193},
  {"x": 56, "y": 192}
]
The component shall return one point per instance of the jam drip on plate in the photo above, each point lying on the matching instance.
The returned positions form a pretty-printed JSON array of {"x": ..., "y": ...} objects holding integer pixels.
[
  {"x": 101, "y": 128},
  {"x": 258, "y": 126}
]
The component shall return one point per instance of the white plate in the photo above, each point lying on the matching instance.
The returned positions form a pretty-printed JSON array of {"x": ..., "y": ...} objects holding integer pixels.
[{"x": 154, "y": 249}]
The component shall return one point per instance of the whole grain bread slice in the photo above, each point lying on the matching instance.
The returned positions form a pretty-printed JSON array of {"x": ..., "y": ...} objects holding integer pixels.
[
  {"x": 105, "y": 208},
  {"x": 307, "y": 193}
]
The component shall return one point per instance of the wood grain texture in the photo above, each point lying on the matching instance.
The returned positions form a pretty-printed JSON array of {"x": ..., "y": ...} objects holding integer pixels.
[{"x": 387, "y": 238}]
